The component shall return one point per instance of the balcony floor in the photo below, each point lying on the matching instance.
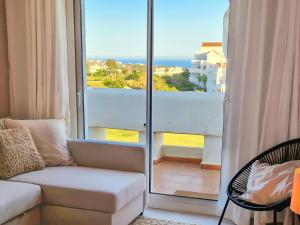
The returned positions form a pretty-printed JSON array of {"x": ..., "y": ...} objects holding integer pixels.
[{"x": 185, "y": 179}]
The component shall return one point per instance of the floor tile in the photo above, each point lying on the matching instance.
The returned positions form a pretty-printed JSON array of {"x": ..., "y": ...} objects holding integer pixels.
[
  {"x": 184, "y": 217},
  {"x": 176, "y": 177}
]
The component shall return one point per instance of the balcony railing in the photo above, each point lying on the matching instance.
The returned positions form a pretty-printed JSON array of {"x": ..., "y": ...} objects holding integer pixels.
[{"x": 173, "y": 112}]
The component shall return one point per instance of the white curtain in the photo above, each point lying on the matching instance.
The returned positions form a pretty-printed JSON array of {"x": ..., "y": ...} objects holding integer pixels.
[
  {"x": 39, "y": 65},
  {"x": 262, "y": 102}
]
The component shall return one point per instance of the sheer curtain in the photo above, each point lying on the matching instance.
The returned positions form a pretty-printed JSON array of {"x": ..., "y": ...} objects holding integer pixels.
[
  {"x": 47, "y": 58},
  {"x": 38, "y": 55},
  {"x": 262, "y": 102}
]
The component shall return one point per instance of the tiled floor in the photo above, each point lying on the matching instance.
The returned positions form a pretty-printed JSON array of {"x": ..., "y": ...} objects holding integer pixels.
[
  {"x": 185, "y": 179},
  {"x": 184, "y": 217}
]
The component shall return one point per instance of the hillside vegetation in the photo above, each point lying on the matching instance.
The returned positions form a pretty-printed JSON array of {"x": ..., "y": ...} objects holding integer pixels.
[{"x": 133, "y": 76}]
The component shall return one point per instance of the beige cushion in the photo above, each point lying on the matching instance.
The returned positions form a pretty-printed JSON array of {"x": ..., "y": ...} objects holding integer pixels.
[
  {"x": 16, "y": 198},
  {"x": 18, "y": 153},
  {"x": 270, "y": 183},
  {"x": 49, "y": 137},
  {"x": 31, "y": 217},
  {"x": 87, "y": 188},
  {"x": 115, "y": 156},
  {"x": 2, "y": 126},
  {"x": 58, "y": 215}
]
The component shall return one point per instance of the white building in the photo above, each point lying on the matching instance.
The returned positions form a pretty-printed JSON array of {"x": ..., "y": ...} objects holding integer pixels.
[
  {"x": 209, "y": 67},
  {"x": 96, "y": 65},
  {"x": 168, "y": 70}
]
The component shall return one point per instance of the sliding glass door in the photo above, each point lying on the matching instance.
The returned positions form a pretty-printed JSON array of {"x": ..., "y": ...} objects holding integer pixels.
[
  {"x": 116, "y": 37},
  {"x": 188, "y": 92},
  {"x": 160, "y": 66}
]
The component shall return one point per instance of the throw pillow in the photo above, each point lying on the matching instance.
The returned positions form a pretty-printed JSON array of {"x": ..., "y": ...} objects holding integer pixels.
[
  {"x": 50, "y": 138},
  {"x": 269, "y": 184},
  {"x": 2, "y": 126},
  {"x": 18, "y": 154}
]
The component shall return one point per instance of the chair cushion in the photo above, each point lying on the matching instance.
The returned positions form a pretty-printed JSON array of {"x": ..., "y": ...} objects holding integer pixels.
[
  {"x": 16, "y": 198},
  {"x": 87, "y": 188},
  {"x": 269, "y": 184}
]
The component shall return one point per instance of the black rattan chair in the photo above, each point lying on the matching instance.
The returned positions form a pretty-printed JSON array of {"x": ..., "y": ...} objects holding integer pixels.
[{"x": 281, "y": 153}]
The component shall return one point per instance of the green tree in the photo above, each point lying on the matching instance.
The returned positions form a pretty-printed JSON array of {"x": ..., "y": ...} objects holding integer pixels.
[
  {"x": 135, "y": 84},
  {"x": 181, "y": 82},
  {"x": 101, "y": 74},
  {"x": 135, "y": 75},
  {"x": 161, "y": 85},
  {"x": 112, "y": 64},
  {"x": 114, "y": 83},
  {"x": 202, "y": 78}
]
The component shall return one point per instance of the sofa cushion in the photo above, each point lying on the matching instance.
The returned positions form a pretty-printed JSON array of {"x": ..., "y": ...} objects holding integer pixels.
[
  {"x": 2, "y": 126},
  {"x": 50, "y": 138},
  {"x": 16, "y": 198},
  {"x": 18, "y": 153},
  {"x": 86, "y": 188}
]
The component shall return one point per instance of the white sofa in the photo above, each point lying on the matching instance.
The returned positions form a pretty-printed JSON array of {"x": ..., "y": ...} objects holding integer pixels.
[{"x": 106, "y": 188}]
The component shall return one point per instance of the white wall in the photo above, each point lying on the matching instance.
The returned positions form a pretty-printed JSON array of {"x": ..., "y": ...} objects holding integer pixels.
[{"x": 177, "y": 112}]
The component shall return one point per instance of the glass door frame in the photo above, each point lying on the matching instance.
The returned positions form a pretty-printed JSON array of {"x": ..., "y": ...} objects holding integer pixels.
[
  {"x": 149, "y": 96},
  {"x": 159, "y": 200},
  {"x": 154, "y": 200}
]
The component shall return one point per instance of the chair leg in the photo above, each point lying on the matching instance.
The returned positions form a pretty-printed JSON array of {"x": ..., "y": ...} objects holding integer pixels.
[
  {"x": 293, "y": 219},
  {"x": 275, "y": 217},
  {"x": 223, "y": 213}
]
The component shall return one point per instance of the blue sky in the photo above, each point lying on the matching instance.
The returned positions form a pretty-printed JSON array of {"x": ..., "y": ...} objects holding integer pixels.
[{"x": 118, "y": 28}]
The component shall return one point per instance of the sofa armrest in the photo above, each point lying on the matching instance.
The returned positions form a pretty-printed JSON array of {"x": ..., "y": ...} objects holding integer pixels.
[{"x": 107, "y": 155}]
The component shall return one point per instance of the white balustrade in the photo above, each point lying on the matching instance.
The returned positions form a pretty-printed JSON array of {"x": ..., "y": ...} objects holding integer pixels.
[{"x": 173, "y": 112}]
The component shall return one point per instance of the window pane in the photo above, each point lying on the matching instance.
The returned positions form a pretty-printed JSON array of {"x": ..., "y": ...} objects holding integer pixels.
[
  {"x": 188, "y": 93},
  {"x": 116, "y": 41}
]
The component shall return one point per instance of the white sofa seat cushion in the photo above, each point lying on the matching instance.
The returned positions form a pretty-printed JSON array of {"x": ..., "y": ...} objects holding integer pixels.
[
  {"x": 16, "y": 198},
  {"x": 87, "y": 188}
]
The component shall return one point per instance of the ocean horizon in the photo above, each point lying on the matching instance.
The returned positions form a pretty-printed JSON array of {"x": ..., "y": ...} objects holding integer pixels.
[{"x": 185, "y": 63}]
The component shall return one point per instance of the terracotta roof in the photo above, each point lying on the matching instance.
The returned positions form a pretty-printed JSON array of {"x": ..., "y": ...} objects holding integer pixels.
[{"x": 212, "y": 44}]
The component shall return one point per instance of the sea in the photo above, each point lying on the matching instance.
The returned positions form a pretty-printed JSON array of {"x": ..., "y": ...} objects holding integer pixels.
[{"x": 185, "y": 63}]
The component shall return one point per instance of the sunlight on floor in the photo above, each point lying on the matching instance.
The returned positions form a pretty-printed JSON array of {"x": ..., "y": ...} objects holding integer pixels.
[{"x": 185, "y": 179}]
